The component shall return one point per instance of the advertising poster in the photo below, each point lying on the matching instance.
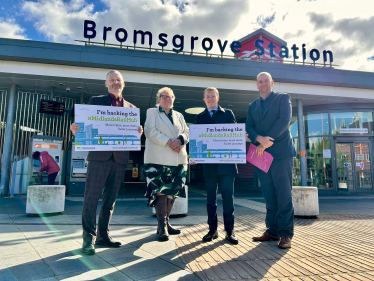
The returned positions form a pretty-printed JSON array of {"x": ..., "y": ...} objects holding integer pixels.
[
  {"x": 217, "y": 143},
  {"x": 106, "y": 128}
]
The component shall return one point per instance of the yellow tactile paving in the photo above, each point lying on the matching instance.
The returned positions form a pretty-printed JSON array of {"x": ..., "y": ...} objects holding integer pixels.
[{"x": 330, "y": 248}]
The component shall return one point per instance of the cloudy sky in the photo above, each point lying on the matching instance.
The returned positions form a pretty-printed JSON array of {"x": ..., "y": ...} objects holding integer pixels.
[{"x": 342, "y": 26}]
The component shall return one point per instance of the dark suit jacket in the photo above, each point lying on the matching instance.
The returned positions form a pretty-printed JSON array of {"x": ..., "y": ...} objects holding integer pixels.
[
  {"x": 222, "y": 116},
  {"x": 274, "y": 122},
  {"x": 121, "y": 157}
]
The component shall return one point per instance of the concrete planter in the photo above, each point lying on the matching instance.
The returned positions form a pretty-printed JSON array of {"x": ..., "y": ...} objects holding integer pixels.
[
  {"x": 45, "y": 199},
  {"x": 305, "y": 201},
  {"x": 180, "y": 205}
]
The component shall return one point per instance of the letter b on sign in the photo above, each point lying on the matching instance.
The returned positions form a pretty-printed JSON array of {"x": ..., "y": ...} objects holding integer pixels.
[{"x": 89, "y": 26}]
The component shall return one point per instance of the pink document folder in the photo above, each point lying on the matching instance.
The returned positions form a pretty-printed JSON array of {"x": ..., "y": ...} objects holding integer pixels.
[{"x": 262, "y": 162}]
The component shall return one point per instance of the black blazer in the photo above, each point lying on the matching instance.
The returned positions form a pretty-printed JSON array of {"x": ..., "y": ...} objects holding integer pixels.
[
  {"x": 274, "y": 122},
  {"x": 222, "y": 116},
  {"x": 121, "y": 157}
]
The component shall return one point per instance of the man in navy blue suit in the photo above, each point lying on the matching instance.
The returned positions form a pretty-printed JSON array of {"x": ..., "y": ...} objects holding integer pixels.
[
  {"x": 267, "y": 125},
  {"x": 222, "y": 175}
]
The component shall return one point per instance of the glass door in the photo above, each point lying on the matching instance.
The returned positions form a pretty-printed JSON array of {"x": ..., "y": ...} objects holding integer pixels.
[
  {"x": 353, "y": 162},
  {"x": 362, "y": 165},
  {"x": 344, "y": 166}
]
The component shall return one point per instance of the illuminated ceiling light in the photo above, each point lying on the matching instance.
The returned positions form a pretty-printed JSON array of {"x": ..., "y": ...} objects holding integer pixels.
[
  {"x": 230, "y": 105},
  {"x": 79, "y": 88},
  {"x": 27, "y": 129},
  {"x": 195, "y": 110}
]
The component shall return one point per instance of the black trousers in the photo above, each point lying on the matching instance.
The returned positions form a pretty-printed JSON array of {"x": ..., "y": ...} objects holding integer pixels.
[
  {"x": 226, "y": 184},
  {"x": 276, "y": 186},
  {"x": 51, "y": 178},
  {"x": 101, "y": 175}
]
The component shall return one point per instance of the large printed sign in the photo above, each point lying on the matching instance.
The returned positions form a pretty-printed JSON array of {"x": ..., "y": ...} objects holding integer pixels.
[
  {"x": 217, "y": 143},
  {"x": 103, "y": 128},
  {"x": 263, "y": 47}
]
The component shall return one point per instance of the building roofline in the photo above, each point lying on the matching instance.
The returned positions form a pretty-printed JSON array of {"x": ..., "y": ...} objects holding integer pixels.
[
  {"x": 177, "y": 64},
  {"x": 262, "y": 31}
]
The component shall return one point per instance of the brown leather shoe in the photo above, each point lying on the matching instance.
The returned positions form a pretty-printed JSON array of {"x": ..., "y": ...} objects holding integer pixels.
[
  {"x": 285, "y": 242},
  {"x": 266, "y": 237}
]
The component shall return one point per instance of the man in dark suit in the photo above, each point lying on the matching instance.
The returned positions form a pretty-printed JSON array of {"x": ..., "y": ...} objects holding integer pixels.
[
  {"x": 222, "y": 175},
  {"x": 105, "y": 171},
  {"x": 268, "y": 123}
]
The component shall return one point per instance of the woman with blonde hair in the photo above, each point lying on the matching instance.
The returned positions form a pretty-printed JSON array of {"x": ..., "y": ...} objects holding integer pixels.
[{"x": 165, "y": 159}]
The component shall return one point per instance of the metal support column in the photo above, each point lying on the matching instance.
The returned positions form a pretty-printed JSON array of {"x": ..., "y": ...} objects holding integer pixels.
[
  {"x": 52, "y": 93},
  {"x": 300, "y": 121},
  {"x": 8, "y": 140}
]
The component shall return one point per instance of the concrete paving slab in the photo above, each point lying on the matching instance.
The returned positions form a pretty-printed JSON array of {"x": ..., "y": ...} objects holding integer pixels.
[
  {"x": 111, "y": 274},
  {"x": 23, "y": 219},
  {"x": 8, "y": 228},
  {"x": 172, "y": 257},
  {"x": 16, "y": 248},
  {"x": 4, "y": 218},
  {"x": 181, "y": 275},
  {"x": 124, "y": 255},
  {"x": 55, "y": 251},
  {"x": 31, "y": 271},
  {"x": 20, "y": 259},
  {"x": 69, "y": 262},
  {"x": 147, "y": 268},
  {"x": 6, "y": 275},
  {"x": 156, "y": 247}
]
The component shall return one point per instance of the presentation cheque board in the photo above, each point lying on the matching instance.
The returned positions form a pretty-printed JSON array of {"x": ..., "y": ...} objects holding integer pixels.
[
  {"x": 103, "y": 128},
  {"x": 217, "y": 143}
]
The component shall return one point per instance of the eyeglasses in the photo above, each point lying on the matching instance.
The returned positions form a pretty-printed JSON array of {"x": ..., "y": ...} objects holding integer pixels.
[{"x": 164, "y": 97}]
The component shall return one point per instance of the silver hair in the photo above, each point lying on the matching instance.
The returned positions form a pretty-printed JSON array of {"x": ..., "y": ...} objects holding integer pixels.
[{"x": 163, "y": 90}]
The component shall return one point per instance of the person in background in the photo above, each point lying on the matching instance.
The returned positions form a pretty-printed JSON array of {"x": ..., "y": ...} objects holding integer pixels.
[
  {"x": 48, "y": 164},
  {"x": 165, "y": 159}
]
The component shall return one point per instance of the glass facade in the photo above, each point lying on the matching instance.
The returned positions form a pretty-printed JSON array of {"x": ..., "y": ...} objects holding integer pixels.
[
  {"x": 319, "y": 168},
  {"x": 351, "y": 123},
  {"x": 316, "y": 124},
  {"x": 320, "y": 128}
]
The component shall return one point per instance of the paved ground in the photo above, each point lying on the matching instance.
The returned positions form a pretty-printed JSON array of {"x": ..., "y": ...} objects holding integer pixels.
[
  {"x": 49, "y": 248},
  {"x": 332, "y": 247}
]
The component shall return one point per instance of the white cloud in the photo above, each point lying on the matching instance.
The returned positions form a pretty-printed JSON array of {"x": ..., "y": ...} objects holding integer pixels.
[
  {"x": 10, "y": 29},
  {"x": 63, "y": 21},
  {"x": 56, "y": 19},
  {"x": 319, "y": 24}
]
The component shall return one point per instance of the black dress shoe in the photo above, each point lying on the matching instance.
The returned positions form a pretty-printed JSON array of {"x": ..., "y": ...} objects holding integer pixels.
[
  {"x": 107, "y": 241},
  {"x": 212, "y": 234},
  {"x": 232, "y": 238},
  {"x": 88, "y": 248}
]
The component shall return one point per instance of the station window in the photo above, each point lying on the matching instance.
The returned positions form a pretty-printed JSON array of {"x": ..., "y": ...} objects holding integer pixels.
[
  {"x": 319, "y": 169},
  {"x": 316, "y": 124},
  {"x": 358, "y": 123},
  {"x": 294, "y": 127}
]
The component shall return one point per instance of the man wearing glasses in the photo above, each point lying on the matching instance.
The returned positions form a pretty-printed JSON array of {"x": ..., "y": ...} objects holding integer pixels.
[
  {"x": 105, "y": 172},
  {"x": 218, "y": 175}
]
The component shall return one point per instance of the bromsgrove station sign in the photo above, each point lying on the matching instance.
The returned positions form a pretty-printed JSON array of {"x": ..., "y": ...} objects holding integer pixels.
[{"x": 178, "y": 42}]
